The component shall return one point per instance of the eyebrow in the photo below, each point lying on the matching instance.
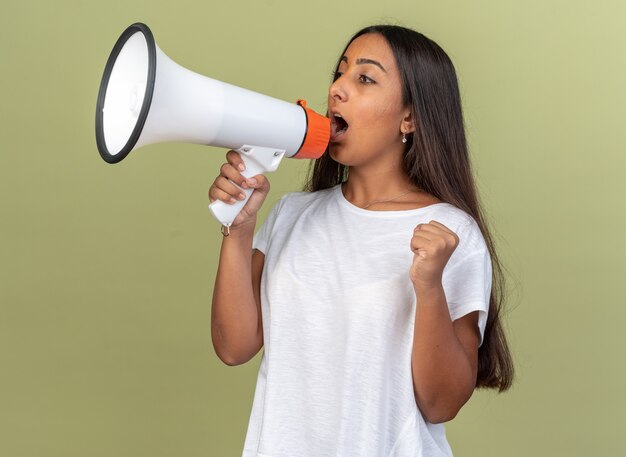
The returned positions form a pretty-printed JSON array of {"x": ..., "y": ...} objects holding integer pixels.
[{"x": 363, "y": 61}]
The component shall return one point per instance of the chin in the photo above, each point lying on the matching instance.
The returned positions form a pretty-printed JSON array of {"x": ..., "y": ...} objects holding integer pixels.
[
  {"x": 349, "y": 156},
  {"x": 338, "y": 153}
]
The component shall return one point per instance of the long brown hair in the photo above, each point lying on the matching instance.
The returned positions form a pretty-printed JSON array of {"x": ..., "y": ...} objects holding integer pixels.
[{"x": 437, "y": 160}]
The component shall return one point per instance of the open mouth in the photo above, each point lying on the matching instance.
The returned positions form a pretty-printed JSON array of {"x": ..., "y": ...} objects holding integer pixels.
[{"x": 338, "y": 126}]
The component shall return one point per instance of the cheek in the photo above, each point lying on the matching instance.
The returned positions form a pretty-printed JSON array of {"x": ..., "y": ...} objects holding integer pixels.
[
  {"x": 388, "y": 109},
  {"x": 382, "y": 124},
  {"x": 383, "y": 110}
]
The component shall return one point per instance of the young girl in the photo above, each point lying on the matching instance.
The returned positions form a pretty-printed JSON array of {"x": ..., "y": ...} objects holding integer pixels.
[{"x": 371, "y": 292}]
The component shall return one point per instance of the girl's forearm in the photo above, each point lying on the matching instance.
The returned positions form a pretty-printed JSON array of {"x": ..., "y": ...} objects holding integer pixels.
[
  {"x": 443, "y": 378},
  {"x": 234, "y": 313}
]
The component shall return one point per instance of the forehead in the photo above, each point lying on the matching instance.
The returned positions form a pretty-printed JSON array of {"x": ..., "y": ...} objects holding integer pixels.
[{"x": 371, "y": 46}]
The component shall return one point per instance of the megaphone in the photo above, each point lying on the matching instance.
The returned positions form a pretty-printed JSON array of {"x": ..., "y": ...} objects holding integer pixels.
[{"x": 146, "y": 98}]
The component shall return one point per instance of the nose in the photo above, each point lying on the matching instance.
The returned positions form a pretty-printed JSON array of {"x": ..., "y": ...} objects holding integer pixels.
[{"x": 337, "y": 91}]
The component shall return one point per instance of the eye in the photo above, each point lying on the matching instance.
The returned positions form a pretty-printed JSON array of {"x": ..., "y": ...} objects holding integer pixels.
[
  {"x": 336, "y": 75},
  {"x": 366, "y": 80}
]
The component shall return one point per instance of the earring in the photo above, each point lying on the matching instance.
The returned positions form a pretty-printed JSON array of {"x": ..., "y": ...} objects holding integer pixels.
[{"x": 404, "y": 137}]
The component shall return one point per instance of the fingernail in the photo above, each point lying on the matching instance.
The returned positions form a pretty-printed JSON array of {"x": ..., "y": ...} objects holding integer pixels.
[
  {"x": 232, "y": 200},
  {"x": 252, "y": 182},
  {"x": 242, "y": 167},
  {"x": 242, "y": 196}
]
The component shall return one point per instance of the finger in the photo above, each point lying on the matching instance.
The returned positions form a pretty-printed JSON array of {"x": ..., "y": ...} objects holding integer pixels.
[
  {"x": 427, "y": 231},
  {"x": 229, "y": 188},
  {"x": 441, "y": 226},
  {"x": 429, "y": 227},
  {"x": 257, "y": 197},
  {"x": 219, "y": 194},
  {"x": 448, "y": 235},
  {"x": 437, "y": 236},
  {"x": 258, "y": 182},
  {"x": 229, "y": 171},
  {"x": 436, "y": 232},
  {"x": 420, "y": 241},
  {"x": 234, "y": 158}
]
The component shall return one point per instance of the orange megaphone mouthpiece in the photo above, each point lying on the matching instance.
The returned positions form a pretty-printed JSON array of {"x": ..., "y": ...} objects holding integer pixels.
[{"x": 317, "y": 134}]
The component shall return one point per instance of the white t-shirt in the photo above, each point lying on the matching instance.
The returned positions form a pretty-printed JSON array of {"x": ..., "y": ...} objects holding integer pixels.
[{"x": 338, "y": 317}]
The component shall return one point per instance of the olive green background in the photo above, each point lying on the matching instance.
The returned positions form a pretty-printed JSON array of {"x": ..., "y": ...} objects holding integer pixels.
[{"x": 107, "y": 270}]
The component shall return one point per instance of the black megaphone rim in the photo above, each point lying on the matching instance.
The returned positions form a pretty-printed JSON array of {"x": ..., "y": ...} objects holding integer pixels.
[{"x": 147, "y": 100}]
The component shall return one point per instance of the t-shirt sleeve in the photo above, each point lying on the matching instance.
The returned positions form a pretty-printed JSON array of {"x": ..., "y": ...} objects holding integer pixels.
[
  {"x": 467, "y": 276},
  {"x": 263, "y": 235}
]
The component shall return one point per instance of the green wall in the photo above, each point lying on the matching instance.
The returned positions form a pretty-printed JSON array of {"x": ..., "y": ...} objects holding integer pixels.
[{"x": 107, "y": 271}]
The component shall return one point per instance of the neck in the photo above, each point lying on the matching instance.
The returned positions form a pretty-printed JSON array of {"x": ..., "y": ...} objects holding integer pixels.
[{"x": 365, "y": 186}]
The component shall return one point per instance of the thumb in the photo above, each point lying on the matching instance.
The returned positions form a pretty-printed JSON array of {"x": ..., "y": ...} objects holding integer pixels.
[{"x": 261, "y": 189}]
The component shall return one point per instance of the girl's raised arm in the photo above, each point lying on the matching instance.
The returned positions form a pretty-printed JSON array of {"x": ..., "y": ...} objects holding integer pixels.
[{"x": 236, "y": 323}]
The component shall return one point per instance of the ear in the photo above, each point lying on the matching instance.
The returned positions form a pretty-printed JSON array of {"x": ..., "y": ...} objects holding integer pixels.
[{"x": 407, "y": 125}]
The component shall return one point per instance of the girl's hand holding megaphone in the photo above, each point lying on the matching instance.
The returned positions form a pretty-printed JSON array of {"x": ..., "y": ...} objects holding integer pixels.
[{"x": 223, "y": 189}]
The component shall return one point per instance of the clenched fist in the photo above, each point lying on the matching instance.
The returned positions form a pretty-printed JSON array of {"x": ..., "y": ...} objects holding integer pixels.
[
  {"x": 224, "y": 189},
  {"x": 432, "y": 244}
]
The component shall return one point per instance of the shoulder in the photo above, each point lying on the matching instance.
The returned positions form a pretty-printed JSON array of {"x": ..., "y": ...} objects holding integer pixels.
[
  {"x": 309, "y": 197},
  {"x": 289, "y": 209},
  {"x": 461, "y": 223},
  {"x": 449, "y": 215},
  {"x": 296, "y": 201}
]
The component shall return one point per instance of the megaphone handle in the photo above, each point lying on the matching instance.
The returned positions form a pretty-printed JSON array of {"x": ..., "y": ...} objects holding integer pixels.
[{"x": 257, "y": 160}]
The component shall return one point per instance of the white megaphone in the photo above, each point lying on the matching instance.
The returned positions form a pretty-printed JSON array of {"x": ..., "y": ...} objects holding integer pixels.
[{"x": 147, "y": 98}]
